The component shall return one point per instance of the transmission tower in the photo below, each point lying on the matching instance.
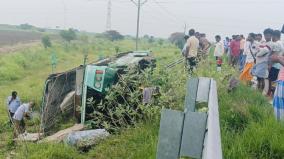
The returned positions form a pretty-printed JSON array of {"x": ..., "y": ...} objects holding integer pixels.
[
  {"x": 108, "y": 22},
  {"x": 139, "y": 4}
]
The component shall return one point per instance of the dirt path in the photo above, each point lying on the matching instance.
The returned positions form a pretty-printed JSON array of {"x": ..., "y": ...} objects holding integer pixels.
[{"x": 16, "y": 47}]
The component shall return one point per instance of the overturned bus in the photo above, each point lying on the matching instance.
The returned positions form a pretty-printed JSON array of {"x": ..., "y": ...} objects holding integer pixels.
[{"x": 67, "y": 92}]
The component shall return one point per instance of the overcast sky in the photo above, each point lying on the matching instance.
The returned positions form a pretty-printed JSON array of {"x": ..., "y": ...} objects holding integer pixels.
[{"x": 158, "y": 17}]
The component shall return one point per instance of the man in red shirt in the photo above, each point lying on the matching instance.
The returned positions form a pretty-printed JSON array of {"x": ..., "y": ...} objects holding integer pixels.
[{"x": 235, "y": 50}]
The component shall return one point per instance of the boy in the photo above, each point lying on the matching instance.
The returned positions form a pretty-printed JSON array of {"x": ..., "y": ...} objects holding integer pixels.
[{"x": 218, "y": 52}]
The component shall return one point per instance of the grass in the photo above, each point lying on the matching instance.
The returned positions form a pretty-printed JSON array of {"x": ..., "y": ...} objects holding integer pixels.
[
  {"x": 248, "y": 127},
  {"x": 48, "y": 151},
  {"x": 138, "y": 142}
]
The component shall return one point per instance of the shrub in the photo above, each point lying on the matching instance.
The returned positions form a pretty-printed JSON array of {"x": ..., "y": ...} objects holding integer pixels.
[
  {"x": 46, "y": 41},
  {"x": 68, "y": 35},
  {"x": 113, "y": 35},
  {"x": 121, "y": 106},
  {"x": 177, "y": 39}
]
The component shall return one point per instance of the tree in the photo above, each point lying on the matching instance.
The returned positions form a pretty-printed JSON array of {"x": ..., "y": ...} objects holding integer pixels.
[
  {"x": 113, "y": 35},
  {"x": 151, "y": 39},
  {"x": 68, "y": 35},
  {"x": 177, "y": 39},
  {"x": 160, "y": 42},
  {"x": 26, "y": 26},
  {"x": 46, "y": 41},
  {"x": 116, "y": 49},
  {"x": 146, "y": 36}
]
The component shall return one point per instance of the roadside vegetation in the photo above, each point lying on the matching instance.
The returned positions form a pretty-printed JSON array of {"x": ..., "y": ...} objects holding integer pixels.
[{"x": 248, "y": 127}]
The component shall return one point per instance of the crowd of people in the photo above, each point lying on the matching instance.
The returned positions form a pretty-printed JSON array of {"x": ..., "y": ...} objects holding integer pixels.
[{"x": 259, "y": 60}]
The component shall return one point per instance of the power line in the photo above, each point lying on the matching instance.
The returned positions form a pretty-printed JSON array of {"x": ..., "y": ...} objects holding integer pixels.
[
  {"x": 139, "y": 4},
  {"x": 169, "y": 12}
]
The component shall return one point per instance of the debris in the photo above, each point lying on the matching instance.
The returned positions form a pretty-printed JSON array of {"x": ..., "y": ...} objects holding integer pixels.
[
  {"x": 68, "y": 102},
  {"x": 60, "y": 135},
  {"x": 233, "y": 84},
  {"x": 82, "y": 139},
  {"x": 148, "y": 93},
  {"x": 31, "y": 137}
]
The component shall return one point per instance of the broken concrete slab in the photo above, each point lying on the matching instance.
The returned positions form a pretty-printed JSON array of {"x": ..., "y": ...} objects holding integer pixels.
[
  {"x": 30, "y": 137},
  {"x": 87, "y": 138},
  {"x": 60, "y": 135}
]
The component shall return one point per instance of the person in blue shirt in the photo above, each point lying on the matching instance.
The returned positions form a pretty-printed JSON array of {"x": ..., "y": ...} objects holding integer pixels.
[{"x": 13, "y": 103}]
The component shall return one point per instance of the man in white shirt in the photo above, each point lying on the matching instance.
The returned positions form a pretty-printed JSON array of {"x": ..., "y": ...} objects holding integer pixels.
[
  {"x": 18, "y": 118},
  {"x": 218, "y": 52},
  {"x": 13, "y": 103},
  {"x": 251, "y": 47}
]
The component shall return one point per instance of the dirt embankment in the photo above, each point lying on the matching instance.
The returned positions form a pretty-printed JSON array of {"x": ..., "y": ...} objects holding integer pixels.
[
  {"x": 14, "y": 40},
  {"x": 16, "y": 47}
]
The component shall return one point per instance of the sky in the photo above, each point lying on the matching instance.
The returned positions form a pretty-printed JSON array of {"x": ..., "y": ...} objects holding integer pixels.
[{"x": 159, "y": 18}]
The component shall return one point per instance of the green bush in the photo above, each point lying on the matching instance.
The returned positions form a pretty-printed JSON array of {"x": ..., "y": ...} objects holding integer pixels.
[{"x": 46, "y": 42}]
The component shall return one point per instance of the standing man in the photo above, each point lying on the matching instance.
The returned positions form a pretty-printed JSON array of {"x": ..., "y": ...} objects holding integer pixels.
[
  {"x": 229, "y": 52},
  {"x": 218, "y": 52},
  {"x": 13, "y": 103},
  {"x": 278, "y": 100},
  {"x": 250, "y": 50},
  {"x": 242, "y": 55},
  {"x": 192, "y": 45},
  {"x": 204, "y": 43},
  {"x": 18, "y": 118},
  {"x": 235, "y": 50},
  {"x": 226, "y": 45},
  {"x": 278, "y": 49},
  {"x": 197, "y": 35},
  {"x": 260, "y": 69},
  {"x": 259, "y": 38}
]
